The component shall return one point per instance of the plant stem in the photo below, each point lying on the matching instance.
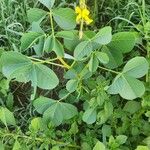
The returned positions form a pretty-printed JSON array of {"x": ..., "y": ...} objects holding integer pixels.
[
  {"x": 51, "y": 21},
  {"x": 109, "y": 70},
  {"x": 81, "y": 29},
  {"x": 148, "y": 57},
  {"x": 64, "y": 97},
  {"x": 47, "y": 62},
  {"x": 64, "y": 63}
]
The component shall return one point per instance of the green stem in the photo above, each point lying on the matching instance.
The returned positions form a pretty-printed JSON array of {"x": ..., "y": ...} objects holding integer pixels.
[
  {"x": 81, "y": 29},
  {"x": 148, "y": 57},
  {"x": 47, "y": 62},
  {"x": 64, "y": 97},
  {"x": 51, "y": 21},
  {"x": 109, "y": 70}
]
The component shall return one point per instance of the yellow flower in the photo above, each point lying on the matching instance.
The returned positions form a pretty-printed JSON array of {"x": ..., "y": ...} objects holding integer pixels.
[{"x": 83, "y": 14}]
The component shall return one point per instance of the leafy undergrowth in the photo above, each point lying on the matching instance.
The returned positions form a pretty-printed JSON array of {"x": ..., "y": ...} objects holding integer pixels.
[{"x": 74, "y": 75}]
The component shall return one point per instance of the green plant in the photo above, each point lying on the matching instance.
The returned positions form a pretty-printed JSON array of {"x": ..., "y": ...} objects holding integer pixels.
[{"x": 83, "y": 87}]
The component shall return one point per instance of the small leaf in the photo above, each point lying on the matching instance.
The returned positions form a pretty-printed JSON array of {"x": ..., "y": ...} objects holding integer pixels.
[
  {"x": 65, "y": 18},
  {"x": 70, "y": 35},
  {"x": 28, "y": 39},
  {"x": 121, "y": 139},
  {"x": 35, "y": 15},
  {"x": 89, "y": 116},
  {"x": 102, "y": 57},
  {"x": 48, "y": 45},
  {"x": 132, "y": 107},
  {"x": 38, "y": 48},
  {"x": 136, "y": 67},
  {"x": 83, "y": 49},
  {"x": 48, "y": 3},
  {"x": 142, "y": 148},
  {"x": 16, "y": 146},
  {"x": 72, "y": 85},
  {"x": 115, "y": 57},
  {"x": 36, "y": 124},
  {"x": 99, "y": 146},
  {"x": 104, "y": 36},
  {"x": 7, "y": 117},
  {"x": 58, "y": 48},
  {"x": 93, "y": 63}
]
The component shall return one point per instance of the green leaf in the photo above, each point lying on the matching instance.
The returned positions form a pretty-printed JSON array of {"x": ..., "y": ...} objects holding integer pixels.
[
  {"x": 35, "y": 15},
  {"x": 121, "y": 139},
  {"x": 104, "y": 36},
  {"x": 132, "y": 107},
  {"x": 142, "y": 148},
  {"x": 102, "y": 57},
  {"x": 89, "y": 116},
  {"x": 70, "y": 35},
  {"x": 93, "y": 63},
  {"x": 136, "y": 67},
  {"x": 115, "y": 57},
  {"x": 54, "y": 111},
  {"x": 65, "y": 18},
  {"x": 36, "y": 124},
  {"x": 15, "y": 65},
  {"x": 7, "y": 117},
  {"x": 123, "y": 42},
  {"x": 48, "y": 45},
  {"x": 48, "y": 3},
  {"x": 99, "y": 146},
  {"x": 38, "y": 48},
  {"x": 72, "y": 85},
  {"x": 16, "y": 146},
  {"x": 58, "y": 48},
  {"x": 2, "y": 146},
  {"x": 35, "y": 27},
  {"x": 128, "y": 87},
  {"x": 83, "y": 49},
  {"x": 28, "y": 39},
  {"x": 42, "y": 103}
]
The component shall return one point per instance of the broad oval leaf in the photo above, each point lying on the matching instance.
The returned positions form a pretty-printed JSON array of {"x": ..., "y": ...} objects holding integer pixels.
[
  {"x": 136, "y": 67},
  {"x": 104, "y": 36},
  {"x": 48, "y": 3},
  {"x": 115, "y": 57},
  {"x": 123, "y": 42},
  {"x": 28, "y": 39},
  {"x": 48, "y": 45},
  {"x": 58, "y": 48},
  {"x": 19, "y": 67},
  {"x": 7, "y": 117},
  {"x": 83, "y": 49},
  {"x": 89, "y": 116},
  {"x": 54, "y": 111},
  {"x": 93, "y": 63},
  {"x": 102, "y": 57},
  {"x": 35, "y": 15},
  {"x": 128, "y": 87},
  {"x": 72, "y": 85},
  {"x": 65, "y": 18},
  {"x": 41, "y": 104},
  {"x": 99, "y": 146}
]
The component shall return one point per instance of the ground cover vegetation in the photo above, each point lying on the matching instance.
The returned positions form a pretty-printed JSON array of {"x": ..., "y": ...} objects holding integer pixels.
[{"x": 74, "y": 75}]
